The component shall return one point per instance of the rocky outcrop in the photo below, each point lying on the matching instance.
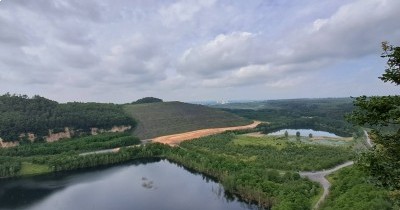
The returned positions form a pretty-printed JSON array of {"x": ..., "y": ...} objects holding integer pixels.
[
  {"x": 114, "y": 129},
  {"x": 52, "y": 137},
  {"x": 31, "y": 136},
  {"x": 66, "y": 134},
  {"x": 4, "y": 144}
]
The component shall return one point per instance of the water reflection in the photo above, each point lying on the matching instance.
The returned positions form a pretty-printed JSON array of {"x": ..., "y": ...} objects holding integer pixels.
[
  {"x": 304, "y": 132},
  {"x": 148, "y": 184}
]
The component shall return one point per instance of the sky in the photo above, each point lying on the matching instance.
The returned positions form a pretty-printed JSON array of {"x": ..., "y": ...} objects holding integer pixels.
[{"x": 195, "y": 50}]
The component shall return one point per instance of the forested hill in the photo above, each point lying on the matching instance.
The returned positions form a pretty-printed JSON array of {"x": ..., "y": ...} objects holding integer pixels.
[
  {"x": 158, "y": 119},
  {"x": 22, "y": 115},
  {"x": 327, "y": 114}
]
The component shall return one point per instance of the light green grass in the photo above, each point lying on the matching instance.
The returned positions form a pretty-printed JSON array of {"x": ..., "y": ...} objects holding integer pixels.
[
  {"x": 33, "y": 169},
  {"x": 274, "y": 139},
  {"x": 276, "y": 142}
]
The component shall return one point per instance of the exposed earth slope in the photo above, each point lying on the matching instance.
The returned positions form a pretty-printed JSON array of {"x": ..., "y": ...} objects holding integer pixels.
[{"x": 159, "y": 119}]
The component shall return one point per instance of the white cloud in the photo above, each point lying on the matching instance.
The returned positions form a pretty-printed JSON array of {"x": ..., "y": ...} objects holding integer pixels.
[
  {"x": 355, "y": 30},
  {"x": 187, "y": 46},
  {"x": 224, "y": 53},
  {"x": 183, "y": 11}
]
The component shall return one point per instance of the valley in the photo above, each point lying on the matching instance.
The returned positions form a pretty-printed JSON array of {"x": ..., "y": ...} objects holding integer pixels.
[{"x": 258, "y": 169}]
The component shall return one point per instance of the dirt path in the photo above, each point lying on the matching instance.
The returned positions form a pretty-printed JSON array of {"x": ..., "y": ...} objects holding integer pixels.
[
  {"x": 319, "y": 176},
  {"x": 175, "y": 139}
]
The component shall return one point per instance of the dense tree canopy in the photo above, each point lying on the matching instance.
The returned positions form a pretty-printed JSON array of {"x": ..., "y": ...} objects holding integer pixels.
[
  {"x": 21, "y": 114},
  {"x": 146, "y": 100},
  {"x": 382, "y": 113},
  {"x": 318, "y": 114}
]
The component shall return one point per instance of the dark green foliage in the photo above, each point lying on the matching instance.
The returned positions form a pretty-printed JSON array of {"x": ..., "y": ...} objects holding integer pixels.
[
  {"x": 351, "y": 190},
  {"x": 71, "y": 162},
  {"x": 9, "y": 166},
  {"x": 89, "y": 143},
  {"x": 264, "y": 174},
  {"x": 158, "y": 119},
  {"x": 20, "y": 115},
  {"x": 293, "y": 156},
  {"x": 382, "y": 113},
  {"x": 146, "y": 100},
  {"x": 59, "y": 154},
  {"x": 318, "y": 114},
  {"x": 392, "y": 72}
]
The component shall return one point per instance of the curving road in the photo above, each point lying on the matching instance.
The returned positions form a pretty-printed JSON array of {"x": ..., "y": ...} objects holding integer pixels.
[{"x": 319, "y": 176}]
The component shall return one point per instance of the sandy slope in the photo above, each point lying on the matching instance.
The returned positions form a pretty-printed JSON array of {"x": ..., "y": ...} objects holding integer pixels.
[{"x": 177, "y": 138}]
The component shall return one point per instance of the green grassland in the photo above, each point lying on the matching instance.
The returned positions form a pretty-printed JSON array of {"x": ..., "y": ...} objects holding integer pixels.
[
  {"x": 331, "y": 141},
  {"x": 158, "y": 119},
  {"x": 33, "y": 169}
]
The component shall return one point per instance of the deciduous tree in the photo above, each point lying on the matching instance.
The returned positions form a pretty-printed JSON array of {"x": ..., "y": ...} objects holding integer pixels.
[{"x": 382, "y": 113}]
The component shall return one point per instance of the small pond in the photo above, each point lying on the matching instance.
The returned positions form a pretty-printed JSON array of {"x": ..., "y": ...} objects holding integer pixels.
[{"x": 304, "y": 132}]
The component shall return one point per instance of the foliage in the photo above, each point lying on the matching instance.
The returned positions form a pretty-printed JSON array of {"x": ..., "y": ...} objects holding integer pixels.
[
  {"x": 318, "y": 114},
  {"x": 36, "y": 158},
  {"x": 158, "y": 119},
  {"x": 70, "y": 162},
  {"x": 146, "y": 100},
  {"x": 83, "y": 144},
  {"x": 382, "y": 113},
  {"x": 275, "y": 153},
  {"x": 20, "y": 114},
  {"x": 351, "y": 190},
  {"x": 392, "y": 72},
  {"x": 262, "y": 171},
  {"x": 9, "y": 166}
]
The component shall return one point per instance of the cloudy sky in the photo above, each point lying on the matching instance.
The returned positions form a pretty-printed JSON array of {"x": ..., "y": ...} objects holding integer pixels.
[{"x": 193, "y": 50}]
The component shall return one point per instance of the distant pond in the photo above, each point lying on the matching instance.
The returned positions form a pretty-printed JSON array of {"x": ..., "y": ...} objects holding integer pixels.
[
  {"x": 304, "y": 132},
  {"x": 154, "y": 185}
]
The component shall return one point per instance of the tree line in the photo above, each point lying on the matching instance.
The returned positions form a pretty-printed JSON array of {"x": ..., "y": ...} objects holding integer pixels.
[
  {"x": 20, "y": 114},
  {"x": 263, "y": 174}
]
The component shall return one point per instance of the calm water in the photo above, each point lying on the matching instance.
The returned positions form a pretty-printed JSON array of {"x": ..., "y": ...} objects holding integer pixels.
[
  {"x": 158, "y": 184},
  {"x": 304, "y": 132}
]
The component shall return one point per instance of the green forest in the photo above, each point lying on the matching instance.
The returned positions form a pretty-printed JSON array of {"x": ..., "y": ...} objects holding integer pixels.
[
  {"x": 263, "y": 170},
  {"x": 20, "y": 114},
  {"x": 351, "y": 189},
  {"x": 318, "y": 114}
]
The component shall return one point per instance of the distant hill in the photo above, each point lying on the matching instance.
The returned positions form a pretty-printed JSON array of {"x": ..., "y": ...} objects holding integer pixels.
[
  {"x": 158, "y": 119},
  {"x": 326, "y": 114},
  {"x": 146, "y": 100}
]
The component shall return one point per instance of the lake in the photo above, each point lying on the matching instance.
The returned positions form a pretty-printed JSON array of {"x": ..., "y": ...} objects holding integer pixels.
[
  {"x": 150, "y": 185},
  {"x": 304, "y": 132}
]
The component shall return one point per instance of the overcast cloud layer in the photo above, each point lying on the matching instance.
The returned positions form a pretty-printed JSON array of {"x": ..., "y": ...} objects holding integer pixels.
[{"x": 193, "y": 50}]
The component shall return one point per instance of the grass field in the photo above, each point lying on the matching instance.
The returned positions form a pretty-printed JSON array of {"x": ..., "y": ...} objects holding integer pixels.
[
  {"x": 277, "y": 142},
  {"x": 260, "y": 139},
  {"x": 32, "y": 169},
  {"x": 158, "y": 119}
]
